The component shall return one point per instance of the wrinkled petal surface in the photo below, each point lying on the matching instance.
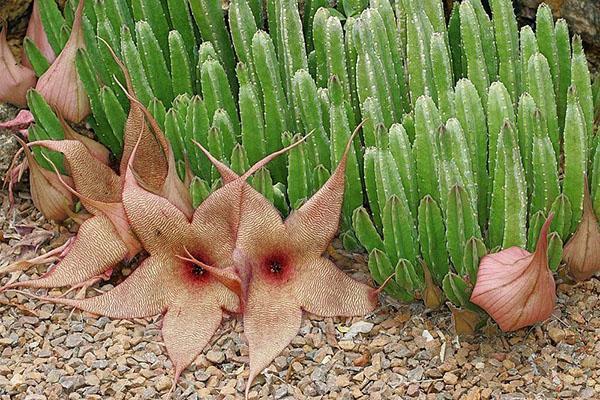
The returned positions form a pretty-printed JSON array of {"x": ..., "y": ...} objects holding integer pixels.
[
  {"x": 96, "y": 249},
  {"x": 271, "y": 321},
  {"x": 92, "y": 178},
  {"x": 321, "y": 288}
]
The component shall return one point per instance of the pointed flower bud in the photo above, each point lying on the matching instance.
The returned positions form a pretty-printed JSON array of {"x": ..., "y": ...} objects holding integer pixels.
[
  {"x": 35, "y": 32},
  {"x": 432, "y": 294},
  {"x": 582, "y": 252},
  {"x": 516, "y": 287},
  {"x": 60, "y": 85},
  {"x": 15, "y": 79},
  {"x": 465, "y": 321},
  {"x": 49, "y": 194}
]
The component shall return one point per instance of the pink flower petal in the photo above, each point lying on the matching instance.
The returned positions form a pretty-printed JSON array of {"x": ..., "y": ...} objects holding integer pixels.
[
  {"x": 60, "y": 85},
  {"x": 15, "y": 79},
  {"x": 516, "y": 287}
]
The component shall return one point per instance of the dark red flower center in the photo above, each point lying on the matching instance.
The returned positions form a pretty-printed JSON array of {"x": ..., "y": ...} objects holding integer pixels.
[
  {"x": 193, "y": 268},
  {"x": 276, "y": 267},
  {"x": 197, "y": 270}
]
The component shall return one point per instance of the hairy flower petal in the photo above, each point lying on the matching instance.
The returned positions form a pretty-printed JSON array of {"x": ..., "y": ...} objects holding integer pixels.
[
  {"x": 154, "y": 162},
  {"x": 35, "y": 32},
  {"x": 582, "y": 251},
  {"x": 271, "y": 321},
  {"x": 201, "y": 316},
  {"x": 158, "y": 223},
  {"x": 193, "y": 305},
  {"x": 146, "y": 292},
  {"x": 96, "y": 249},
  {"x": 60, "y": 84},
  {"x": 516, "y": 287},
  {"x": 321, "y": 288},
  {"x": 315, "y": 224},
  {"x": 15, "y": 79}
]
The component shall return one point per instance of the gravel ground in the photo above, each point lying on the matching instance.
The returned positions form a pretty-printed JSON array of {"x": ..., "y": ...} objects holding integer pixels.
[{"x": 400, "y": 351}]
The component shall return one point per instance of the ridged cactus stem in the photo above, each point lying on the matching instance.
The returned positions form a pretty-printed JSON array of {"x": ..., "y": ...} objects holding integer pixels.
[
  {"x": 431, "y": 234},
  {"x": 546, "y": 37},
  {"x": 507, "y": 44},
  {"x": 427, "y": 123},
  {"x": 292, "y": 51},
  {"x": 217, "y": 92},
  {"x": 508, "y": 213},
  {"x": 540, "y": 86},
  {"x": 575, "y": 155},
  {"x": 563, "y": 48},
  {"x": 473, "y": 49},
  {"x": 181, "y": 71},
  {"x": 420, "y": 78},
  {"x": 366, "y": 232},
  {"x": 243, "y": 27},
  {"x": 400, "y": 147},
  {"x": 397, "y": 46},
  {"x": 340, "y": 133},
  {"x": 399, "y": 232},
  {"x": 442, "y": 76},
  {"x": 133, "y": 61},
  {"x": 211, "y": 23},
  {"x": 470, "y": 114},
  {"x": 461, "y": 225},
  {"x": 330, "y": 51},
  {"x": 181, "y": 20},
  {"x": 527, "y": 122},
  {"x": 499, "y": 108},
  {"x": 154, "y": 62},
  {"x": 307, "y": 103},
  {"x": 488, "y": 42},
  {"x": 580, "y": 79},
  {"x": 253, "y": 127},
  {"x": 299, "y": 173},
  {"x": 529, "y": 47},
  {"x": 274, "y": 100},
  {"x": 544, "y": 171}
]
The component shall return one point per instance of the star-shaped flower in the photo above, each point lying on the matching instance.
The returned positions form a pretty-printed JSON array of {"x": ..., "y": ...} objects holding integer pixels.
[
  {"x": 188, "y": 277},
  {"x": 282, "y": 267}
]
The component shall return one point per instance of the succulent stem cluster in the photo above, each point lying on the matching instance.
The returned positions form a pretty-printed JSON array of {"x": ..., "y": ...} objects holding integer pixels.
[{"x": 475, "y": 132}]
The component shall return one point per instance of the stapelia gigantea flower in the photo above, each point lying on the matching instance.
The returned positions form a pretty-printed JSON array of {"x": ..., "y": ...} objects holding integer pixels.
[
  {"x": 60, "y": 84},
  {"x": 582, "y": 252},
  {"x": 282, "y": 267},
  {"x": 188, "y": 277},
  {"x": 15, "y": 79},
  {"x": 35, "y": 32},
  {"x": 516, "y": 287}
]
